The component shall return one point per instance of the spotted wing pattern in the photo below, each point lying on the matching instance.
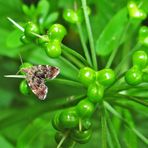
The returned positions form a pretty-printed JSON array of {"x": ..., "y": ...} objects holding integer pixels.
[{"x": 36, "y": 76}]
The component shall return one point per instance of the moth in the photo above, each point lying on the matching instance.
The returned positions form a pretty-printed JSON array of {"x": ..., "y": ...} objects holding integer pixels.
[{"x": 36, "y": 77}]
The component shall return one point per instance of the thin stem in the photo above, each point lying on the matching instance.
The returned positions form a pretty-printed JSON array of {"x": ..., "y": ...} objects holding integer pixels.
[
  {"x": 87, "y": 55},
  {"x": 16, "y": 24},
  {"x": 104, "y": 128},
  {"x": 76, "y": 54},
  {"x": 73, "y": 59},
  {"x": 90, "y": 36},
  {"x": 62, "y": 140}
]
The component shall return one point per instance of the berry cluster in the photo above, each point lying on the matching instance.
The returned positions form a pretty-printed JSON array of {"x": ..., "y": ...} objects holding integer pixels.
[
  {"x": 76, "y": 121},
  {"x": 139, "y": 72},
  {"x": 51, "y": 42}
]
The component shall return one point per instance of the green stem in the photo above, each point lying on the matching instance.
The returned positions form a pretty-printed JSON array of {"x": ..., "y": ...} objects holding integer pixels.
[
  {"x": 104, "y": 128},
  {"x": 83, "y": 43},
  {"x": 75, "y": 61},
  {"x": 63, "y": 139},
  {"x": 90, "y": 36},
  {"x": 74, "y": 53}
]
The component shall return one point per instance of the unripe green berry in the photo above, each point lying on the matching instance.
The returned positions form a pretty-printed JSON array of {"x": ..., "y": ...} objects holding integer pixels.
[
  {"x": 69, "y": 118},
  {"x": 140, "y": 59},
  {"x": 24, "y": 40},
  {"x": 106, "y": 77},
  {"x": 24, "y": 88},
  {"x": 85, "y": 108},
  {"x": 70, "y": 16},
  {"x": 133, "y": 76},
  {"x": 143, "y": 35},
  {"x": 81, "y": 136},
  {"x": 53, "y": 48},
  {"x": 57, "y": 32},
  {"x": 135, "y": 12},
  {"x": 86, "y": 76},
  {"x": 31, "y": 28},
  {"x": 56, "y": 123},
  {"x": 24, "y": 65},
  {"x": 95, "y": 92}
]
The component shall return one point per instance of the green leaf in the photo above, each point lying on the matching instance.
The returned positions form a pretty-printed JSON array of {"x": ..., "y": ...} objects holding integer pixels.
[
  {"x": 43, "y": 8},
  {"x": 13, "y": 39},
  {"x": 110, "y": 38},
  {"x": 37, "y": 133},
  {"x": 4, "y": 143},
  {"x": 132, "y": 141},
  {"x": 52, "y": 17}
]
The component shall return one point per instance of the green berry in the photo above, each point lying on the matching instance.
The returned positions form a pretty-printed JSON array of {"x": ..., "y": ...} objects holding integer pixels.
[
  {"x": 106, "y": 77},
  {"x": 70, "y": 16},
  {"x": 135, "y": 12},
  {"x": 86, "y": 124},
  {"x": 86, "y": 76},
  {"x": 80, "y": 14},
  {"x": 56, "y": 123},
  {"x": 95, "y": 92},
  {"x": 31, "y": 28},
  {"x": 24, "y": 40},
  {"x": 25, "y": 65},
  {"x": 145, "y": 74},
  {"x": 133, "y": 76},
  {"x": 140, "y": 59},
  {"x": 69, "y": 118},
  {"x": 24, "y": 89},
  {"x": 143, "y": 35},
  {"x": 57, "y": 31},
  {"x": 53, "y": 48},
  {"x": 85, "y": 108},
  {"x": 81, "y": 136}
]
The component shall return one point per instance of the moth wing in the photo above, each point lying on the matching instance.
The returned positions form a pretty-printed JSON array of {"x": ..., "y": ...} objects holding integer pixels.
[{"x": 38, "y": 87}]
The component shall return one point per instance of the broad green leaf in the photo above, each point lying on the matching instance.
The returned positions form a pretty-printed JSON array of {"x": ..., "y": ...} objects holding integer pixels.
[
  {"x": 4, "y": 143},
  {"x": 43, "y": 8},
  {"x": 111, "y": 36},
  {"x": 39, "y": 133},
  {"x": 51, "y": 18},
  {"x": 132, "y": 141},
  {"x": 13, "y": 39}
]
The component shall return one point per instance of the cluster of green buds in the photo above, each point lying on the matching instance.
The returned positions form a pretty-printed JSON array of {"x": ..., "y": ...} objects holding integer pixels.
[
  {"x": 139, "y": 71},
  {"x": 50, "y": 42},
  {"x": 135, "y": 11}
]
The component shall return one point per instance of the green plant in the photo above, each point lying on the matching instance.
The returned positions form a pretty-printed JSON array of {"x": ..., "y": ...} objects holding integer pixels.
[{"x": 100, "y": 96}]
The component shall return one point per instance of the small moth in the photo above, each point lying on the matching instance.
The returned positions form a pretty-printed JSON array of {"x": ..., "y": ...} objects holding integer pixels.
[{"x": 36, "y": 76}]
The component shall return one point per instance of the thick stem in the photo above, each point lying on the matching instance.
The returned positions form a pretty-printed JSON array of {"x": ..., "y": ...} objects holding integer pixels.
[
  {"x": 90, "y": 36},
  {"x": 87, "y": 55}
]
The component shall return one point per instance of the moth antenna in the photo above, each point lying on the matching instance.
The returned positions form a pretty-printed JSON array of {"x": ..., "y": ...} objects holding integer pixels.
[
  {"x": 15, "y": 76},
  {"x": 16, "y": 24}
]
